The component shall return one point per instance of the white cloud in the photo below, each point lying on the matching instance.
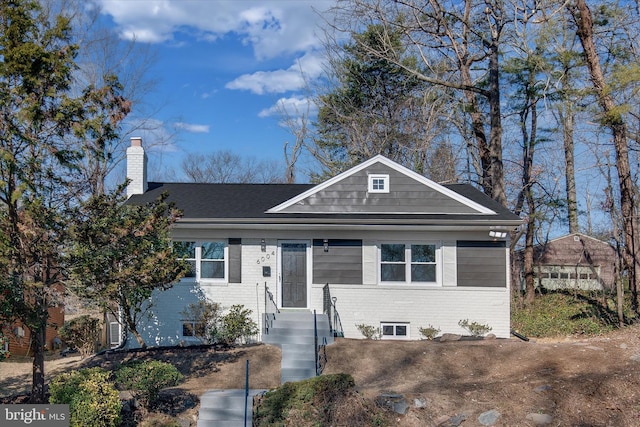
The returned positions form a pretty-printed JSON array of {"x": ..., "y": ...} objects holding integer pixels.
[
  {"x": 295, "y": 77},
  {"x": 295, "y": 106},
  {"x": 272, "y": 28},
  {"x": 193, "y": 128}
]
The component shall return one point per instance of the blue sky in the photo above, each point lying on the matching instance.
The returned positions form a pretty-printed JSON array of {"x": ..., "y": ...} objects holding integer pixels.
[{"x": 222, "y": 67}]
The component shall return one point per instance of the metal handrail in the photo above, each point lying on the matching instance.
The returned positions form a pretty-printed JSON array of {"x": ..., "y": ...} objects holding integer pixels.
[
  {"x": 329, "y": 308},
  {"x": 268, "y": 298}
]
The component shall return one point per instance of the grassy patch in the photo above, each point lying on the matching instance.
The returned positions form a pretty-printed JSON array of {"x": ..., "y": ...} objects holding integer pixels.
[
  {"x": 563, "y": 313},
  {"x": 320, "y": 401}
]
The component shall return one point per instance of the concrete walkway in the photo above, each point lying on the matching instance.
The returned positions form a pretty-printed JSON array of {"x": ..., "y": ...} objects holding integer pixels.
[{"x": 226, "y": 408}]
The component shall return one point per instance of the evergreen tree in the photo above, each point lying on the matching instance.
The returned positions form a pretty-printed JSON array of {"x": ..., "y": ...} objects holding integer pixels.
[{"x": 122, "y": 253}]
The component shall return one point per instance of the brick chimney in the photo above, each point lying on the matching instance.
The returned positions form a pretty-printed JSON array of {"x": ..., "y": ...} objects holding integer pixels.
[{"x": 136, "y": 168}]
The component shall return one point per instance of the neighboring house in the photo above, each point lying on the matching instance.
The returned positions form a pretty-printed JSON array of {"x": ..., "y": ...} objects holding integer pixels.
[
  {"x": 574, "y": 261},
  {"x": 19, "y": 336},
  {"x": 379, "y": 243}
]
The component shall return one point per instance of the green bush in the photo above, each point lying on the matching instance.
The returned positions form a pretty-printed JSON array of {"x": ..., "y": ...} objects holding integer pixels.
[
  {"x": 145, "y": 379},
  {"x": 237, "y": 324},
  {"x": 429, "y": 332},
  {"x": 369, "y": 332},
  {"x": 475, "y": 329},
  {"x": 307, "y": 396},
  {"x": 82, "y": 333},
  {"x": 92, "y": 398}
]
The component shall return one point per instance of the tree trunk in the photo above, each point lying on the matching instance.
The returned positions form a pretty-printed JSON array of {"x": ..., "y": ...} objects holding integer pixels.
[
  {"x": 134, "y": 330},
  {"x": 567, "y": 119},
  {"x": 529, "y": 279},
  {"x": 38, "y": 341},
  {"x": 614, "y": 121},
  {"x": 498, "y": 191}
]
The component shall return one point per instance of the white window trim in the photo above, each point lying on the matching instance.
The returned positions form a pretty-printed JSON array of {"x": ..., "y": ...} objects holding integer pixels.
[
  {"x": 198, "y": 259},
  {"x": 394, "y": 336},
  {"x": 407, "y": 263},
  {"x": 373, "y": 178}
]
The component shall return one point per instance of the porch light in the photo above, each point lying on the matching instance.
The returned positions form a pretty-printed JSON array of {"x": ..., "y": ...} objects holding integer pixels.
[
  {"x": 263, "y": 245},
  {"x": 325, "y": 243}
]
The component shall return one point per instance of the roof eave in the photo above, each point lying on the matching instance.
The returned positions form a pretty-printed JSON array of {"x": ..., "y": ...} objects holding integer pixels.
[{"x": 359, "y": 224}]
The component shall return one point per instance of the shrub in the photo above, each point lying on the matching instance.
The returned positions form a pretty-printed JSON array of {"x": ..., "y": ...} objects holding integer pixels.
[
  {"x": 369, "y": 332},
  {"x": 145, "y": 379},
  {"x": 82, "y": 333},
  {"x": 92, "y": 398},
  {"x": 560, "y": 313},
  {"x": 4, "y": 354},
  {"x": 475, "y": 329},
  {"x": 429, "y": 332},
  {"x": 207, "y": 314},
  {"x": 159, "y": 420},
  {"x": 237, "y": 324},
  {"x": 307, "y": 401}
]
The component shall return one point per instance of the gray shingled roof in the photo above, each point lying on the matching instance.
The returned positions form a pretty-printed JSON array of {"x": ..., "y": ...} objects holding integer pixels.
[{"x": 222, "y": 202}]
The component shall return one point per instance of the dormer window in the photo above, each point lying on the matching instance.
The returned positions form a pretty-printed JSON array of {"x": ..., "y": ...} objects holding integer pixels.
[{"x": 378, "y": 183}]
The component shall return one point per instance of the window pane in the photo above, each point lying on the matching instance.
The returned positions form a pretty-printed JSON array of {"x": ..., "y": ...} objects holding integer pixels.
[
  {"x": 200, "y": 330},
  {"x": 423, "y": 253},
  {"x": 392, "y": 272},
  {"x": 387, "y": 330},
  {"x": 212, "y": 269},
  {"x": 187, "y": 251},
  {"x": 392, "y": 253},
  {"x": 423, "y": 273},
  {"x": 212, "y": 250},
  {"x": 184, "y": 249},
  {"x": 192, "y": 269},
  {"x": 187, "y": 329},
  {"x": 401, "y": 330}
]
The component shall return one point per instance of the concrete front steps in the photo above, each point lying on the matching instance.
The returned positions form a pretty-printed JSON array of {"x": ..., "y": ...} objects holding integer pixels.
[
  {"x": 294, "y": 333},
  {"x": 226, "y": 408}
]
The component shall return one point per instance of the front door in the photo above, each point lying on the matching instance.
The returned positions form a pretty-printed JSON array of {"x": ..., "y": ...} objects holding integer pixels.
[{"x": 294, "y": 274}]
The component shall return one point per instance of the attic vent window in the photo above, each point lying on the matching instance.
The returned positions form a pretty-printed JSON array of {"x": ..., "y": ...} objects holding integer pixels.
[{"x": 378, "y": 183}]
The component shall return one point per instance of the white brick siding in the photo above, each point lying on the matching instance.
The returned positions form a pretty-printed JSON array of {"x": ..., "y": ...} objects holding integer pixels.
[
  {"x": 136, "y": 170},
  {"x": 370, "y": 303}
]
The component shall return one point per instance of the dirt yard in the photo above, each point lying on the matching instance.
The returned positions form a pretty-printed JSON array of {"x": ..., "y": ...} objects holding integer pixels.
[{"x": 572, "y": 382}]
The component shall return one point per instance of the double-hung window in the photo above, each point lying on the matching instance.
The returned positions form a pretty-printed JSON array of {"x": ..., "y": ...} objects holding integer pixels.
[
  {"x": 206, "y": 259},
  {"x": 409, "y": 263}
]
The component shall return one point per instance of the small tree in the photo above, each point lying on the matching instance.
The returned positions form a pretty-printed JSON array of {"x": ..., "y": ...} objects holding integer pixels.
[
  {"x": 237, "y": 324},
  {"x": 206, "y": 316},
  {"x": 122, "y": 253},
  {"x": 82, "y": 333}
]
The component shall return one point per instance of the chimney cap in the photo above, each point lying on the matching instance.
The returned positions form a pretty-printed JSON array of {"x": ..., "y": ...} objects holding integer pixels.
[{"x": 136, "y": 141}]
